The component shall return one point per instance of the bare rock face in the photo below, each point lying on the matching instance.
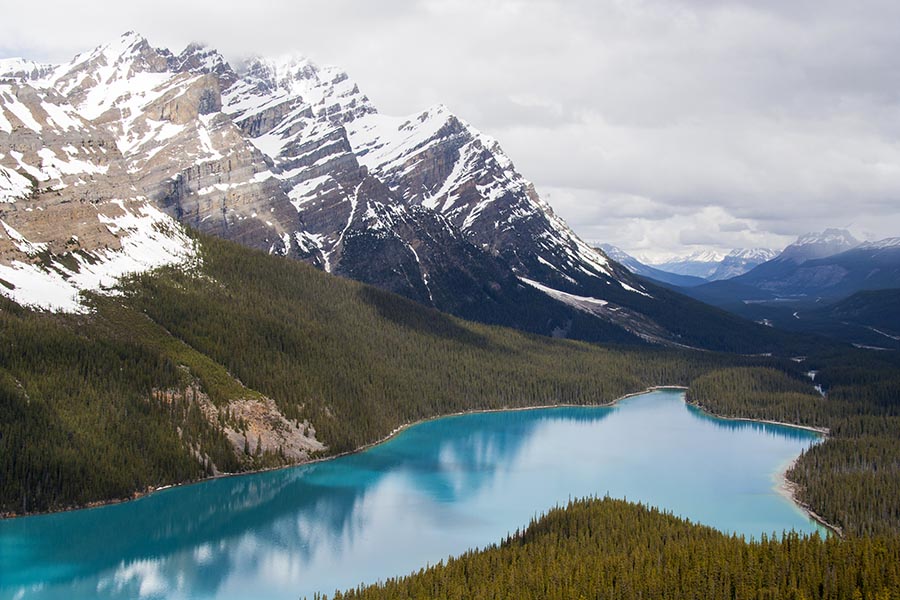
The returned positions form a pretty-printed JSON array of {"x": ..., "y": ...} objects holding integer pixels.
[
  {"x": 183, "y": 105},
  {"x": 266, "y": 429},
  {"x": 197, "y": 58},
  {"x": 73, "y": 169}
]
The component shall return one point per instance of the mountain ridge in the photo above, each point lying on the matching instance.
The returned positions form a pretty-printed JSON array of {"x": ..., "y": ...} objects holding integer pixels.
[{"x": 292, "y": 158}]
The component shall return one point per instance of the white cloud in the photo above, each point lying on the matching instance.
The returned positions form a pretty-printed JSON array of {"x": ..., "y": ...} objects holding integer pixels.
[{"x": 649, "y": 123}]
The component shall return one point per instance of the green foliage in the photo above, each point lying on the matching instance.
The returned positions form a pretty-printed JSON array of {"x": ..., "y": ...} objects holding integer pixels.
[
  {"x": 78, "y": 419},
  {"x": 759, "y": 393},
  {"x": 613, "y": 549}
]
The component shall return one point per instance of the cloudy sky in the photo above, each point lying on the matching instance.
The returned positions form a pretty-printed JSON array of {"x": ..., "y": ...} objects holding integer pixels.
[{"x": 661, "y": 126}]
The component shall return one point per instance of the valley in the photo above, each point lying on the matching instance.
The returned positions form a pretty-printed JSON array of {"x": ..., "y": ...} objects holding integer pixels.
[{"x": 329, "y": 321}]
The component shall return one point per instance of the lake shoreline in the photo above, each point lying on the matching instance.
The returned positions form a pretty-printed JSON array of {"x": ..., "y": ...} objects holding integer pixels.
[
  {"x": 787, "y": 488},
  {"x": 137, "y": 495}
]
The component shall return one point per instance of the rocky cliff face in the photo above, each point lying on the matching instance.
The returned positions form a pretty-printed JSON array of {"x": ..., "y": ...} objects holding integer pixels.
[{"x": 294, "y": 159}]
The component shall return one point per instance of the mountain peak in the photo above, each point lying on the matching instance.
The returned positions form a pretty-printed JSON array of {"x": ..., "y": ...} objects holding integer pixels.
[
  {"x": 282, "y": 71},
  {"x": 761, "y": 254},
  {"x": 199, "y": 58},
  {"x": 892, "y": 242},
  {"x": 315, "y": 95},
  {"x": 741, "y": 260},
  {"x": 128, "y": 46},
  {"x": 819, "y": 245}
]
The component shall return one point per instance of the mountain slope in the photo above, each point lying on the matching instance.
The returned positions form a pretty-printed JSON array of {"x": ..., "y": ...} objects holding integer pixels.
[
  {"x": 291, "y": 158},
  {"x": 878, "y": 310},
  {"x": 71, "y": 215},
  {"x": 868, "y": 319}
]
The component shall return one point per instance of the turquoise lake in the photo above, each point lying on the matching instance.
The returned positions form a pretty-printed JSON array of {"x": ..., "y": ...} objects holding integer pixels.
[{"x": 436, "y": 489}]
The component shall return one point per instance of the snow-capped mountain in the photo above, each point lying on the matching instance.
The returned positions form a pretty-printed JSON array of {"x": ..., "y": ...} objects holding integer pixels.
[
  {"x": 737, "y": 262},
  {"x": 810, "y": 270},
  {"x": 72, "y": 218},
  {"x": 714, "y": 266},
  {"x": 819, "y": 245},
  {"x": 292, "y": 158},
  {"x": 778, "y": 274},
  {"x": 639, "y": 268},
  {"x": 885, "y": 244},
  {"x": 702, "y": 264}
]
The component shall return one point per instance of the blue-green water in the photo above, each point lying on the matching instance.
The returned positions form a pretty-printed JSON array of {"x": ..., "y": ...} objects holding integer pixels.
[{"x": 436, "y": 489}]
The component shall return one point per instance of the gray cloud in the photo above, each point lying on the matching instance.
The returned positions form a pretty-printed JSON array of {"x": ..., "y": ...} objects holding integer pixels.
[{"x": 650, "y": 124}]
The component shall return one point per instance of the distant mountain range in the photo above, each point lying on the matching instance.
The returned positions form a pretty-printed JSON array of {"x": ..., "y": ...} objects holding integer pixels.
[
  {"x": 102, "y": 157},
  {"x": 816, "y": 268},
  {"x": 826, "y": 283},
  {"x": 702, "y": 264},
  {"x": 713, "y": 266},
  {"x": 799, "y": 288},
  {"x": 644, "y": 270},
  {"x": 695, "y": 269}
]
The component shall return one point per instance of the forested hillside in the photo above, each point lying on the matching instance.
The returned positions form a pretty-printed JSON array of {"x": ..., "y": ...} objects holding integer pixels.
[
  {"x": 612, "y": 549},
  {"x": 148, "y": 389}
]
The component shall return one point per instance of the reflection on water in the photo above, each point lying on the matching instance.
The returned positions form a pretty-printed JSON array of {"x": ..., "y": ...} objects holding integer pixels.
[{"x": 437, "y": 489}]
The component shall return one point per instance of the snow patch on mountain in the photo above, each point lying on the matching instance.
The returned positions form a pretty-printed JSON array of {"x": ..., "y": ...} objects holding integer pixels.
[
  {"x": 149, "y": 239},
  {"x": 15, "y": 108},
  {"x": 564, "y": 297},
  {"x": 886, "y": 243},
  {"x": 13, "y": 186}
]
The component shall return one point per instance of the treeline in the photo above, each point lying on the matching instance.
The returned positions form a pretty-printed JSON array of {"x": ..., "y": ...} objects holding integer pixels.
[
  {"x": 603, "y": 548},
  {"x": 853, "y": 479},
  {"x": 357, "y": 362}
]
